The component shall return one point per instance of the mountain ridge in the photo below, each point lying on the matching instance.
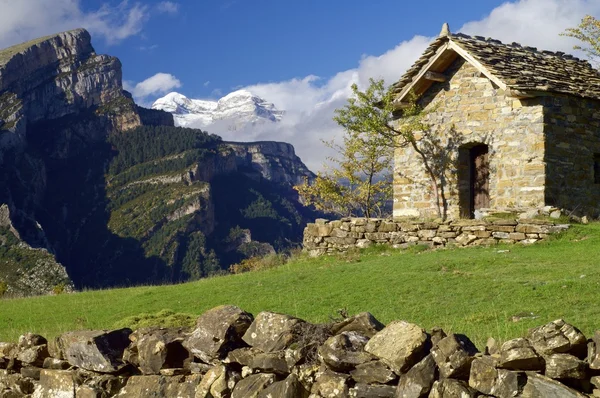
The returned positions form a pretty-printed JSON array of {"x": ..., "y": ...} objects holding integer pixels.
[
  {"x": 114, "y": 194},
  {"x": 236, "y": 109}
]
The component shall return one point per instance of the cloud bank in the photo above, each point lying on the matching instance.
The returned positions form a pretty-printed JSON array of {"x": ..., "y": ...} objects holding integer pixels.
[
  {"x": 159, "y": 84},
  {"x": 310, "y": 101},
  {"x": 23, "y": 20}
]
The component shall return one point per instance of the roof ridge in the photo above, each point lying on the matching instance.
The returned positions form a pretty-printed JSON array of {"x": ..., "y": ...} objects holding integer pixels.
[{"x": 535, "y": 50}]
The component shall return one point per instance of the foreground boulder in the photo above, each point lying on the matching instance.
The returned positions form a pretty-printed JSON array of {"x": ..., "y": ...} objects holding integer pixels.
[
  {"x": 519, "y": 354},
  {"x": 453, "y": 356},
  {"x": 154, "y": 349},
  {"x": 417, "y": 382},
  {"x": 98, "y": 351},
  {"x": 345, "y": 351},
  {"x": 399, "y": 345},
  {"x": 218, "y": 331},
  {"x": 271, "y": 331},
  {"x": 279, "y": 356},
  {"x": 558, "y": 337}
]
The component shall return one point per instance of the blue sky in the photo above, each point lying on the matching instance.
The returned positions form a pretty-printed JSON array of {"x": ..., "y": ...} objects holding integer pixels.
[
  {"x": 238, "y": 43},
  {"x": 301, "y": 55}
]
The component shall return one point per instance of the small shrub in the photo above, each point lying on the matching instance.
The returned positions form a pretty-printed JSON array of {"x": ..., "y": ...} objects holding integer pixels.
[
  {"x": 163, "y": 318},
  {"x": 58, "y": 289},
  {"x": 3, "y": 288},
  {"x": 269, "y": 261}
]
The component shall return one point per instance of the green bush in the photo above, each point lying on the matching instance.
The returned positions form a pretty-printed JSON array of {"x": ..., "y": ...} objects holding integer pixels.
[
  {"x": 3, "y": 288},
  {"x": 164, "y": 318},
  {"x": 259, "y": 263}
]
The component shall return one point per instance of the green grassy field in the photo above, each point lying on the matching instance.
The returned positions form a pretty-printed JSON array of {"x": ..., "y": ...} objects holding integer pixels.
[{"x": 476, "y": 291}]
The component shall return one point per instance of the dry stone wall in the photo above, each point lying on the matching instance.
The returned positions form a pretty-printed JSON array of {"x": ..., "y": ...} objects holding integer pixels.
[
  {"x": 325, "y": 236},
  {"x": 231, "y": 353}
]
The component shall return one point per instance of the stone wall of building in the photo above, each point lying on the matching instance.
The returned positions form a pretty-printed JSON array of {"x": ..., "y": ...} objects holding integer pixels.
[
  {"x": 323, "y": 236},
  {"x": 572, "y": 128},
  {"x": 469, "y": 109},
  {"x": 232, "y": 354}
]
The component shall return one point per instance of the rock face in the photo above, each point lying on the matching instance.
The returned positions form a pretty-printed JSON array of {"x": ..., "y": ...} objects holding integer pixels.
[
  {"x": 269, "y": 363},
  {"x": 58, "y": 94},
  {"x": 70, "y": 182},
  {"x": 274, "y": 161}
]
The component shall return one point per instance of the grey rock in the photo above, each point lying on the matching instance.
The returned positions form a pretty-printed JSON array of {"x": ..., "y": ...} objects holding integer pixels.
[
  {"x": 491, "y": 347},
  {"x": 271, "y": 331},
  {"x": 436, "y": 335},
  {"x": 484, "y": 375},
  {"x": 156, "y": 349},
  {"x": 565, "y": 366},
  {"x": 31, "y": 372},
  {"x": 594, "y": 351},
  {"x": 96, "y": 350},
  {"x": 217, "y": 331},
  {"x": 539, "y": 386},
  {"x": 29, "y": 340},
  {"x": 55, "y": 348},
  {"x": 399, "y": 345},
  {"x": 509, "y": 383},
  {"x": 34, "y": 356},
  {"x": 8, "y": 350},
  {"x": 453, "y": 356},
  {"x": 214, "y": 383},
  {"x": 56, "y": 383},
  {"x": 558, "y": 337},
  {"x": 57, "y": 364},
  {"x": 270, "y": 362},
  {"x": 417, "y": 382},
  {"x": 252, "y": 385},
  {"x": 363, "y": 323},
  {"x": 154, "y": 386},
  {"x": 373, "y": 372},
  {"x": 451, "y": 388},
  {"x": 329, "y": 384},
  {"x": 288, "y": 388},
  {"x": 489, "y": 380},
  {"x": 344, "y": 351},
  {"x": 372, "y": 391},
  {"x": 518, "y": 354}
]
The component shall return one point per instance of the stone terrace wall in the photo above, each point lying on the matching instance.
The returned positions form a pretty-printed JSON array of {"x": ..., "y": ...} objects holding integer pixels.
[
  {"x": 233, "y": 354},
  {"x": 325, "y": 236}
]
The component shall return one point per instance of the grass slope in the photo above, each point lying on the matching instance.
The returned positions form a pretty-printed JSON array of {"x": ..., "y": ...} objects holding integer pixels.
[{"x": 474, "y": 291}]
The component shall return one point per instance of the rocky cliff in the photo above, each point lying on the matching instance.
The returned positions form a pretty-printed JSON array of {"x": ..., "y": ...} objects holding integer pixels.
[
  {"x": 113, "y": 191},
  {"x": 275, "y": 161}
]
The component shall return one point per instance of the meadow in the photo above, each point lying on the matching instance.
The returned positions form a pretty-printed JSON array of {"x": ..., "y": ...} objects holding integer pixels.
[{"x": 498, "y": 291}]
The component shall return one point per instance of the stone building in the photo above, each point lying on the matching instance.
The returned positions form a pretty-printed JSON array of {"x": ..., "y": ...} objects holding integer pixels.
[{"x": 520, "y": 126}]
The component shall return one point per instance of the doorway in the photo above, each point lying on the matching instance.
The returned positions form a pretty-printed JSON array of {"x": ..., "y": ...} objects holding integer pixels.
[{"x": 474, "y": 179}]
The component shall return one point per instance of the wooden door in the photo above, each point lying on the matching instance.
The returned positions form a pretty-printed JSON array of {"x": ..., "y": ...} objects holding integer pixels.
[{"x": 480, "y": 178}]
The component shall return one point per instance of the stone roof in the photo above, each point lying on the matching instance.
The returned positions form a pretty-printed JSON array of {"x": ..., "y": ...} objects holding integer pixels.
[{"x": 520, "y": 68}]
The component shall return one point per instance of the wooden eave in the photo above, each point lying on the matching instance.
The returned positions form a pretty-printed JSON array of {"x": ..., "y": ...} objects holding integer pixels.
[{"x": 445, "y": 55}]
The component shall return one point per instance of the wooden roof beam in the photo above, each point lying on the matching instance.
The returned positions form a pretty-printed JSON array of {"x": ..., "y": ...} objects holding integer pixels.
[{"x": 434, "y": 76}]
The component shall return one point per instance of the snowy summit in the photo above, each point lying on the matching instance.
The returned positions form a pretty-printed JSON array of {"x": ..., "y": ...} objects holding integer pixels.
[{"x": 236, "y": 109}]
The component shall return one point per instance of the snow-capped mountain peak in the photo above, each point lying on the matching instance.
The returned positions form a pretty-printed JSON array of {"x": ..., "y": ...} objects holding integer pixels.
[{"x": 236, "y": 109}]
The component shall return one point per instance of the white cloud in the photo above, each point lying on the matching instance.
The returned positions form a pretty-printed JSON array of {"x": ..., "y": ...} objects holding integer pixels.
[
  {"x": 22, "y": 20},
  {"x": 159, "y": 84},
  {"x": 206, "y": 83},
  {"x": 310, "y": 101},
  {"x": 168, "y": 7},
  {"x": 148, "y": 48}
]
